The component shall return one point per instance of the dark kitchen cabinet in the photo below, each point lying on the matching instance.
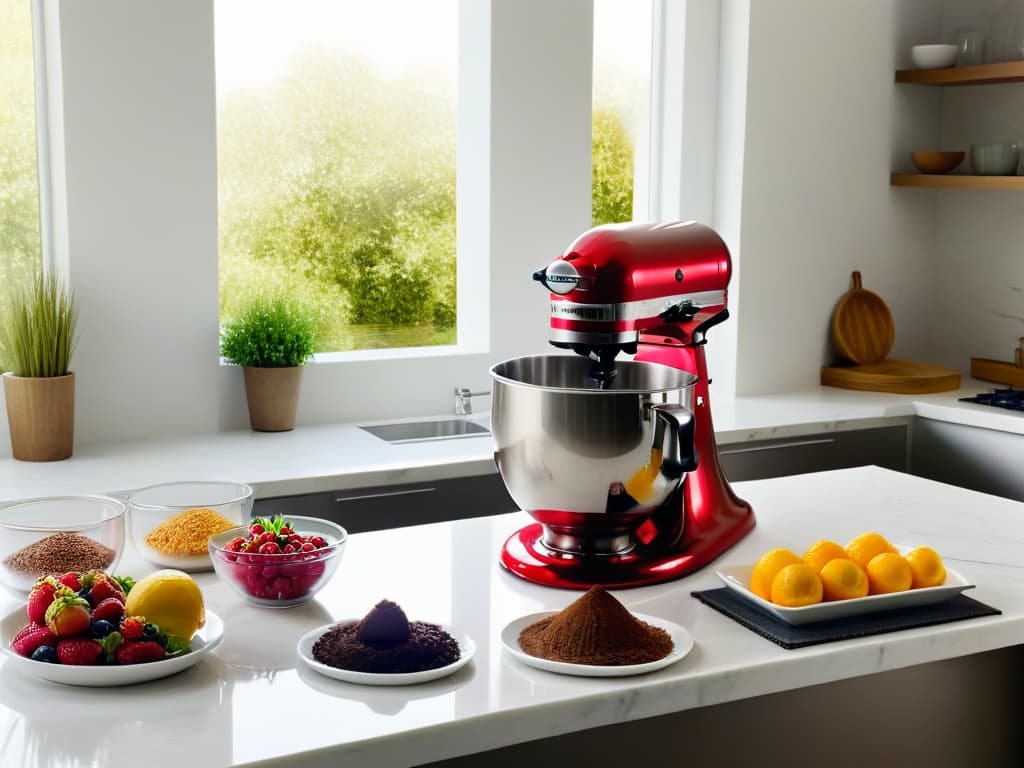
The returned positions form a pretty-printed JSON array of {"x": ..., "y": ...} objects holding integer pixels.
[
  {"x": 759, "y": 459},
  {"x": 395, "y": 506}
]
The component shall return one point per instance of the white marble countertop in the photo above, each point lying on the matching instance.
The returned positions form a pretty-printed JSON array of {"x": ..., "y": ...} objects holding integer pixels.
[
  {"x": 251, "y": 700},
  {"x": 329, "y": 457}
]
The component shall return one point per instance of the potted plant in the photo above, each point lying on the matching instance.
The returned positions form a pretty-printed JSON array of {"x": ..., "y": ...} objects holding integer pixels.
[
  {"x": 272, "y": 337},
  {"x": 37, "y": 337}
]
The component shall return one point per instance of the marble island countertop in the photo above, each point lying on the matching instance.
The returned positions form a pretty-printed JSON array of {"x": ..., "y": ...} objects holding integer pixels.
[
  {"x": 250, "y": 700},
  {"x": 338, "y": 456}
]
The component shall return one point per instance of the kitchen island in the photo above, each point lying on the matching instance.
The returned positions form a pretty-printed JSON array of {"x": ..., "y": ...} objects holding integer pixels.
[{"x": 251, "y": 702}]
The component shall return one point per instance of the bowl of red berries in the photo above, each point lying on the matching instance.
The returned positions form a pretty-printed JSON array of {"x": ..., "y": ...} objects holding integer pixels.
[{"x": 277, "y": 562}]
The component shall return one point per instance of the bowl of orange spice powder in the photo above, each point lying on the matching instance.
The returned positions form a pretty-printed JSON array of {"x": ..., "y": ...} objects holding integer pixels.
[{"x": 171, "y": 523}]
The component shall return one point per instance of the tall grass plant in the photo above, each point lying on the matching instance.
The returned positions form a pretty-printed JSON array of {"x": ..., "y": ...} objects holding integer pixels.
[{"x": 37, "y": 329}]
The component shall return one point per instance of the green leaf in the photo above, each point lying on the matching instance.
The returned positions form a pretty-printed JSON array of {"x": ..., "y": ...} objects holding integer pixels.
[
  {"x": 176, "y": 646},
  {"x": 111, "y": 643},
  {"x": 126, "y": 582}
]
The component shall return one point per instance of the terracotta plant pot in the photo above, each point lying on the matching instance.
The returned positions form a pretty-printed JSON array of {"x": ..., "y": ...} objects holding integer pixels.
[
  {"x": 41, "y": 416},
  {"x": 273, "y": 397}
]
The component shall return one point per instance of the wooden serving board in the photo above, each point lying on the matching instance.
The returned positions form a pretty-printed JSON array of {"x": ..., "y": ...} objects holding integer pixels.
[
  {"x": 903, "y": 377},
  {"x": 997, "y": 371}
]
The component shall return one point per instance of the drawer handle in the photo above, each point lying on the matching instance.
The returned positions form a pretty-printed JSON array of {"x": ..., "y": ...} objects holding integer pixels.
[
  {"x": 407, "y": 492},
  {"x": 776, "y": 446}
]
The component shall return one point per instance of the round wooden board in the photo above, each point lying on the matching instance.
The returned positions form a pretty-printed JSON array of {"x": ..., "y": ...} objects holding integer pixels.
[{"x": 862, "y": 326}]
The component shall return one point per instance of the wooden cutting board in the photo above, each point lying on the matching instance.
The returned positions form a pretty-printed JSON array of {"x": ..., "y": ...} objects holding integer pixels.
[
  {"x": 904, "y": 377},
  {"x": 862, "y": 326},
  {"x": 996, "y": 370}
]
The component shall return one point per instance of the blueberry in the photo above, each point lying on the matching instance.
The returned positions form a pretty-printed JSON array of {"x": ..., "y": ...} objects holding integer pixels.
[
  {"x": 100, "y": 628},
  {"x": 150, "y": 631},
  {"x": 45, "y": 653},
  {"x": 86, "y": 594}
]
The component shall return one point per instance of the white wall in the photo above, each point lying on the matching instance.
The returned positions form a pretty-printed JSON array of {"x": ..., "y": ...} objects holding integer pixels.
[
  {"x": 824, "y": 122},
  {"x": 980, "y": 253},
  {"x": 135, "y": 115}
]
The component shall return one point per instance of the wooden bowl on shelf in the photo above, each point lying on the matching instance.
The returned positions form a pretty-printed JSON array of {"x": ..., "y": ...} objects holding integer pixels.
[{"x": 936, "y": 162}]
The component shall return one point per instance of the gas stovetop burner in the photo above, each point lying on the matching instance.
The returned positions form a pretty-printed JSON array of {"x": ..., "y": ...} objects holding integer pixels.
[{"x": 1011, "y": 399}]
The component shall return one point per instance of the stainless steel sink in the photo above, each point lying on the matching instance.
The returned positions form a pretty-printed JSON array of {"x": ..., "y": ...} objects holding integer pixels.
[{"x": 422, "y": 431}]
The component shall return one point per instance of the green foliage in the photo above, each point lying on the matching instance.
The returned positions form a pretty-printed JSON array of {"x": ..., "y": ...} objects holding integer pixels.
[
  {"x": 19, "y": 188},
  {"x": 612, "y": 175},
  {"x": 37, "y": 330},
  {"x": 270, "y": 332},
  {"x": 344, "y": 191}
]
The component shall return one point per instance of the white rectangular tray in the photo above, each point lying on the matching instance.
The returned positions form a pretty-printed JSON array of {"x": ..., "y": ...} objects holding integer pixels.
[{"x": 737, "y": 577}]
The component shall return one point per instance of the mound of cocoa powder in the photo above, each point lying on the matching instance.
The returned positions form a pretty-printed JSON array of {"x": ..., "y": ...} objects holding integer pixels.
[
  {"x": 60, "y": 553},
  {"x": 598, "y": 630},
  {"x": 386, "y": 642}
]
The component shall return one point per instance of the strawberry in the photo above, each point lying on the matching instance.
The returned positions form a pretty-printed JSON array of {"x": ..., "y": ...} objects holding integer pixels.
[
  {"x": 71, "y": 580},
  {"x": 78, "y": 651},
  {"x": 31, "y": 637},
  {"x": 40, "y": 597},
  {"x": 131, "y": 627},
  {"x": 138, "y": 652},
  {"x": 103, "y": 587},
  {"x": 68, "y": 615},
  {"x": 110, "y": 610}
]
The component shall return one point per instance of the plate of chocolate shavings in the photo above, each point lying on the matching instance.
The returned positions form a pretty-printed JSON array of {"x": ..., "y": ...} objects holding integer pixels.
[{"x": 407, "y": 655}]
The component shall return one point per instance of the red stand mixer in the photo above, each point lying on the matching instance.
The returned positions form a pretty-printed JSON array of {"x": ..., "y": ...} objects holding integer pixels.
[{"x": 617, "y": 461}]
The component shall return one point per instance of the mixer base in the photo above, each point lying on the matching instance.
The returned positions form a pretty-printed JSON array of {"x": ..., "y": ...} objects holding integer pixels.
[{"x": 525, "y": 555}]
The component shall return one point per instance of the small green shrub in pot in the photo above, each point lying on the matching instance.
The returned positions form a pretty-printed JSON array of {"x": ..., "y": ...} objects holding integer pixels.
[
  {"x": 272, "y": 337},
  {"x": 37, "y": 338}
]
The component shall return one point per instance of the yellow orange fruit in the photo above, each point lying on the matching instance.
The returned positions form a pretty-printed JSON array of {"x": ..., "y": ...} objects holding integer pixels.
[
  {"x": 843, "y": 579},
  {"x": 888, "y": 572},
  {"x": 820, "y": 552},
  {"x": 926, "y": 568},
  {"x": 765, "y": 570},
  {"x": 796, "y": 585},
  {"x": 863, "y": 548},
  {"x": 171, "y": 599}
]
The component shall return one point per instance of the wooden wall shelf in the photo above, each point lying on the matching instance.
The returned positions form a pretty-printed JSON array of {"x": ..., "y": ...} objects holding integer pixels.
[
  {"x": 939, "y": 181},
  {"x": 981, "y": 74}
]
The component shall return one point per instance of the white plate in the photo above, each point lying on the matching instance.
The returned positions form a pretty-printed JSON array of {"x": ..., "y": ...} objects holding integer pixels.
[
  {"x": 204, "y": 641},
  {"x": 682, "y": 643},
  {"x": 466, "y": 650},
  {"x": 737, "y": 578}
]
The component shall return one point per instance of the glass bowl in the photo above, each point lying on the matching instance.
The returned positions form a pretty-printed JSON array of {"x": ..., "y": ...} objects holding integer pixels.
[
  {"x": 281, "y": 580},
  {"x": 171, "y": 522},
  {"x": 58, "y": 534}
]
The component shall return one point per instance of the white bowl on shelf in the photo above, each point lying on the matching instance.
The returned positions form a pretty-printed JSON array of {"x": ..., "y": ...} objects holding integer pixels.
[{"x": 936, "y": 56}]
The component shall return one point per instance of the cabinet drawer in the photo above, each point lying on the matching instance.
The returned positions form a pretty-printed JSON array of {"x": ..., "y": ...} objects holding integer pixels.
[
  {"x": 884, "y": 446},
  {"x": 394, "y": 506}
]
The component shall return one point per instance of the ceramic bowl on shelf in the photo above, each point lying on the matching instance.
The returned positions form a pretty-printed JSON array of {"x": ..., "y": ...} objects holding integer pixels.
[
  {"x": 58, "y": 534},
  {"x": 933, "y": 56},
  {"x": 936, "y": 162},
  {"x": 171, "y": 522},
  {"x": 280, "y": 580}
]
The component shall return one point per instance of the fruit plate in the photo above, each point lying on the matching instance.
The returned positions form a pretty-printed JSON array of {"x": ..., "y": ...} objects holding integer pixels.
[
  {"x": 305, "y": 648},
  {"x": 737, "y": 578},
  {"x": 205, "y": 640},
  {"x": 682, "y": 644}
]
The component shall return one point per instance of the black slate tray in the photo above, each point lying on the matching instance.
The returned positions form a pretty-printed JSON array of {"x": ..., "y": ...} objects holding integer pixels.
[{"x": 788, "y": 636}]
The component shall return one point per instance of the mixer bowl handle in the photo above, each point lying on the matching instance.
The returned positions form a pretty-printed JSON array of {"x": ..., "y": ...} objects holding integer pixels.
[{"x": 682, "y": 454}]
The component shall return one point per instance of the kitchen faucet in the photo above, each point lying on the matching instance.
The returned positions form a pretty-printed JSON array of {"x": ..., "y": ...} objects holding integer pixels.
[{"x": 463, "y": 402}]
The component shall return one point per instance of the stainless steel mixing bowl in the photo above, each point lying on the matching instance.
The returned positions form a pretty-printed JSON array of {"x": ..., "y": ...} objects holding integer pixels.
[{"x": 591, "y": 460}]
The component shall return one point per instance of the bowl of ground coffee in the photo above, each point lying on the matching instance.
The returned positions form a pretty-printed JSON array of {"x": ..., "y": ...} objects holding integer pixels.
[
  {"x": 58, "y": 534},
  {"x": 596, "y": 636}
]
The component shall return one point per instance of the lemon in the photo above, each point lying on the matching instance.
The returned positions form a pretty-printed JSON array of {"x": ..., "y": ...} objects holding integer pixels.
[
  {"x": 765, "y": 570},
  {"x": 843, "y": 579},
  {"x": 888, "y": 572},
  {"x": 926, "y": 568},
  {"x": 821, "y": 552},
  {"x": 863, "y": 548},
  {"x": 171, "y": 599},
  {"x": 796, "y": 585}
]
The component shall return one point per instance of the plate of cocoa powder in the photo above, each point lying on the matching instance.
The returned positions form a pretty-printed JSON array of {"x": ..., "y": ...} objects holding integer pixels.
[{"x": 596, "y": 636}]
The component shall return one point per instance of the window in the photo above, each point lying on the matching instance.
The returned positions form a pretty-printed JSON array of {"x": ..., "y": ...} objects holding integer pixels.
[
  {"x": 621, "y": 107},
  {"x": 20, "y": 249},
  {"x": 336, "y": 163}
]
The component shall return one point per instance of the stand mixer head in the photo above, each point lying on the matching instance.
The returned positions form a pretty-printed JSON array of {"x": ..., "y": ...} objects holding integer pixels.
[{"x": 652, "y": 291}]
